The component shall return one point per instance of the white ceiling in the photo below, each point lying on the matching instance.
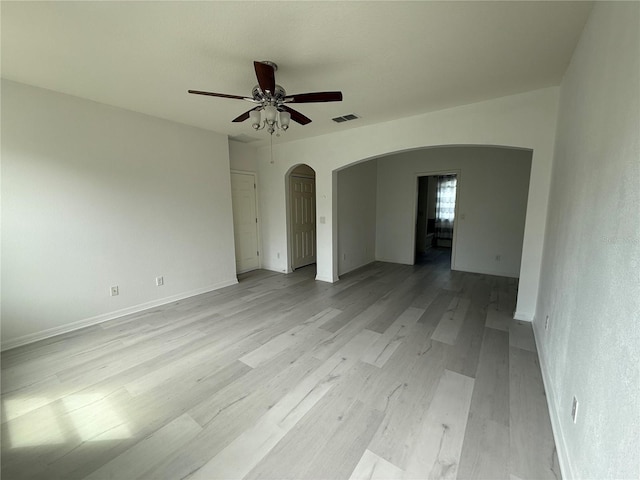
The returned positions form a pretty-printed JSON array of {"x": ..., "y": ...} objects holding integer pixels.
[{"x": 390, "y": 59}]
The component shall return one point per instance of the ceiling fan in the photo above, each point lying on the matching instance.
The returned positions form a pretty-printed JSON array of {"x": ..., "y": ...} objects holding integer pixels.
[{"x": 272, "y": 99}]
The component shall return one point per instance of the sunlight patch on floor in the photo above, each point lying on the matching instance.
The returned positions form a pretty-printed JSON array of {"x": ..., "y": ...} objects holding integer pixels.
[
  {"x": 16, "y": 407},
  {"x": 95, "y": 419},
  {"x": 41, "y": 429},
  {"x": 33, "y": 421}
]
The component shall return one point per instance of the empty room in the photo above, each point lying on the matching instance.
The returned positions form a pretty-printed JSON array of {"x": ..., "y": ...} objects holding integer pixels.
[{"x": 320, "y": 240}]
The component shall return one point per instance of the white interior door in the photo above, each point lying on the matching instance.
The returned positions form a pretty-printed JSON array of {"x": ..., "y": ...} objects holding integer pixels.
[
  {"x": 302, "y": 202},
  {"x": 245, "y": 221}
]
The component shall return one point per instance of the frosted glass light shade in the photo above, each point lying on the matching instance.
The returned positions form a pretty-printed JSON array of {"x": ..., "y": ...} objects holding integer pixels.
[
  {"x": 254, "y": 115},
  {"x": 271, "y": 114},
  {"x": 285, "y": 117}
]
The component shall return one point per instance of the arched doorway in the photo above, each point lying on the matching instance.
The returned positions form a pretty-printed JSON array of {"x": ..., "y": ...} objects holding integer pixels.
[
  {"x": 301, "y": 216},
  {"x": 489, "y": 207}
]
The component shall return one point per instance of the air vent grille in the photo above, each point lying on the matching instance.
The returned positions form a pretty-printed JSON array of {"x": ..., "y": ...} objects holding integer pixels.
[{"x": 345, "y": 118}]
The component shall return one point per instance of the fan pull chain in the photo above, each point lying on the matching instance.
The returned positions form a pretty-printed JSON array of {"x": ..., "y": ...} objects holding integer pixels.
[{"x": 271, "y": 142}]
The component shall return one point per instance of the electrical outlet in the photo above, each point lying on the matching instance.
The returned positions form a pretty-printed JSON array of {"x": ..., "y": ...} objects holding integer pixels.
[
  {"x": 278, "y": 255},
  {"x": 498, "y": 258},
  {"x": 546, "y": 323},
  {"x": 574, "y": 410},
  {"x": 159, "y": 281},
  {"x": 115, "y": 291},
  {"x": 344, "y": 256}
]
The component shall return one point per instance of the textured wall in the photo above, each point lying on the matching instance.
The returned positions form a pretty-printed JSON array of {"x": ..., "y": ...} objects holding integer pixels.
[{"x": 590, "y": 281}]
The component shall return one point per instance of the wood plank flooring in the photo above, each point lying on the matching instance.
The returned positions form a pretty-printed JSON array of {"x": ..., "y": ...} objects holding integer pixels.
[{"x": 394, "y": 372}]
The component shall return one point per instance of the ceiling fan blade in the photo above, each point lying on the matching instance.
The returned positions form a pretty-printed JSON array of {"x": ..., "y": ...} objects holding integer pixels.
[
  {"x": 244, "y": 116},
  {"x": 314, "y": 97},
  {"x": 295, "y": 115},
  {"x": 223, "y": 95},
  {"x": 266, "y": 76}
]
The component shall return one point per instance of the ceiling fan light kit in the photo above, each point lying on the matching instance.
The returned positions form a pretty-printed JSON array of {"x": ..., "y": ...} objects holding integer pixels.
[
  {"x": 270, "y": 118},
  {"x": 271, "y": 112}
]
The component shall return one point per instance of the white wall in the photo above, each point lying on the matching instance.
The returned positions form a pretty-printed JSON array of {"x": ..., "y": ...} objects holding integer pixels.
[
  {"x": 492, "y": 193},
  {"x": 95, "y": 196},
  {"x": 526, "y": 121},
  {"x": 243, "y": 157},
  {"x": 590, "y": 282},
  {"x": 356, "y": 216}
]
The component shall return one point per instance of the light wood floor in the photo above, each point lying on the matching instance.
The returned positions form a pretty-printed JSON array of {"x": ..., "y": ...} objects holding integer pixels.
[{"x": 393, "y": 372}]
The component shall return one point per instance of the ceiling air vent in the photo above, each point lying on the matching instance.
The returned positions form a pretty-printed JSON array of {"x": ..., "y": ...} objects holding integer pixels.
[{"x": 345, "y": 118}]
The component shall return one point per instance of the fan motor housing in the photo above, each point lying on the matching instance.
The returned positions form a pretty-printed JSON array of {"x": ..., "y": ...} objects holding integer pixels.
[{"x": 259, "y": 95}]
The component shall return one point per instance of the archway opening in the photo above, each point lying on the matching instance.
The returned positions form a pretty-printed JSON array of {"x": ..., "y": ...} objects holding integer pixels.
[{"x": 380, "y": 197}]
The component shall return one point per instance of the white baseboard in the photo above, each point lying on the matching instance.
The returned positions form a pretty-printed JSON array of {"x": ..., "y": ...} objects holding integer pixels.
[
  {"x": 485, "y": 272},
  {"x": 566, "y": 468},
  {"x": 369, "y": 262},
  {"x": 524, "y": 316},
  {"x": 392, "y": 260},
  {"x": 322, "y": 278},
  {"x": 87, "y": 322},
  {"x": 274, "y": 269}
]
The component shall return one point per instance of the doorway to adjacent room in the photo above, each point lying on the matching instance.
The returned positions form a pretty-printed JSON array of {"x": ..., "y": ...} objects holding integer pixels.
[{"x": 435, "y": 213}]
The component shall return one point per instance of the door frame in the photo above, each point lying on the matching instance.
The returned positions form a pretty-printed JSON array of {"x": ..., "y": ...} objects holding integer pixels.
[
  {"x": 258, "y": 229},
  {"x": 289, "y": 233},
  {"x": 454, "y": 243}
]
